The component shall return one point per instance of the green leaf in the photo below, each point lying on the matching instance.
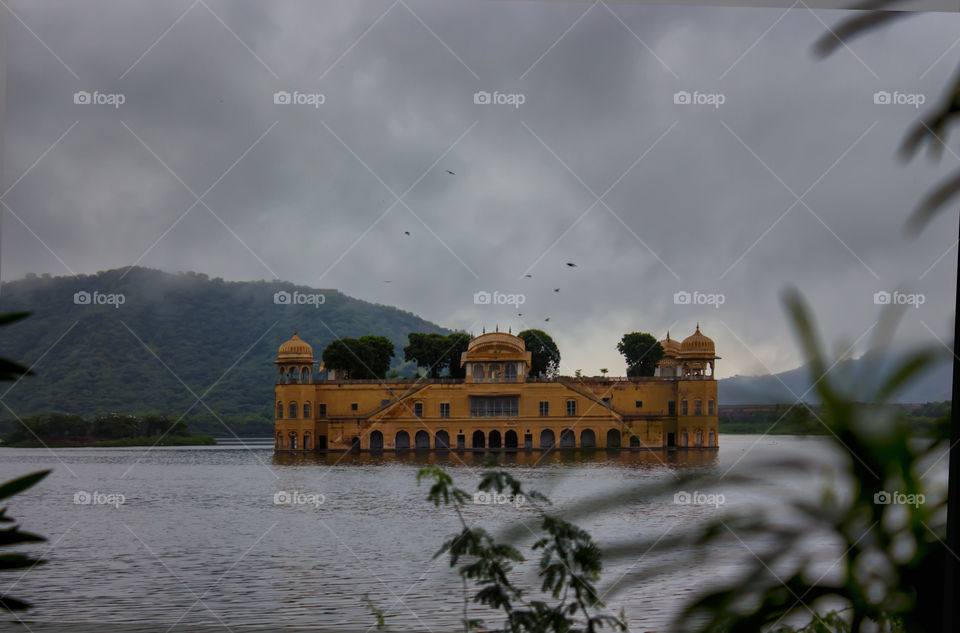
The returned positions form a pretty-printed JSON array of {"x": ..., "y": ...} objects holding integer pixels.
[
  {"x": 18, "y": 561},
  {"x": 10, "y": 603},
  {"x": 12, "y": 317},
  {"x": 12, "y": 536},
  {"x": 19, "y": 485}
]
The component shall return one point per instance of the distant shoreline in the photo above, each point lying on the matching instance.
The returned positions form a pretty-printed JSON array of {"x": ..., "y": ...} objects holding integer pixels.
[
  {"x": 174, "y": 440},
  {"x": 764, "y": 428}
]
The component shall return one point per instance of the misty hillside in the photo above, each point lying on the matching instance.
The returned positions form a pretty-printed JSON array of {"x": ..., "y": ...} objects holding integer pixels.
[
  {"x": 934, "y": 386},
  {"x": 219, "y": 338}
]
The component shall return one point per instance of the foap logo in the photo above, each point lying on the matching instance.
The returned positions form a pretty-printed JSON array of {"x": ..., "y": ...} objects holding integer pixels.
[
  {"x": 497, "y": 298},
  {"x": 297, "y": 498},
  {"x": 115, "y": 99},
  {"x": 715, "y": 99},
  {"x": 315, "y": 99},
  {"x": 500, "y": 499},
  {"x": 697, "y": 298},
  {"x": 515, "y": 99},
  {"x": 697, "y": 498},
  {"x": 884, "y": 498},
  {"x": 915, "y": 99},
  {"x": 95, "y": 498},
  {"x": 297, "y": 298},
  {"x": 897, "y": 298},
  {"x": 97, "y": 298}
]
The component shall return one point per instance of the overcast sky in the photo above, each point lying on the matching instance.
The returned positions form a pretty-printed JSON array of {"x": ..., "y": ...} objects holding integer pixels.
[{"x": 692, "y": 197}]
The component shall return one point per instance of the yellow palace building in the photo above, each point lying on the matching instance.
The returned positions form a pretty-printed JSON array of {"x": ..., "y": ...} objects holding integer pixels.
[{"x": 497, "y": 406}]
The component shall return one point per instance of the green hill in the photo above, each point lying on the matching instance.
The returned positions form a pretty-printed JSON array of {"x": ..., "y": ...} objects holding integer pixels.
[{"x": 166, "y": 339}]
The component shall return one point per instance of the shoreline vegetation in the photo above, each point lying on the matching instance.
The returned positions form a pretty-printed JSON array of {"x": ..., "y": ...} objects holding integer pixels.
[
  {"x": 189, "y": 440},
  {"x": 64, "y": 430},
  {"x": 800, "y": 419}
]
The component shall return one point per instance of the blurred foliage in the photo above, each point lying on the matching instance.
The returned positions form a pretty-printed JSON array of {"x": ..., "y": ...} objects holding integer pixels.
[
  {"x": 12, "y": 535},
  {"x": 889, "y": 575},
  {"x": 570, "y": 563},
  {"x": 933, "y": 128}
]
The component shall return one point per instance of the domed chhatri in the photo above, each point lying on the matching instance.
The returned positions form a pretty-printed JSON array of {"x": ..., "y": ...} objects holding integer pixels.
[
  {"x": 497, "y": 405},
  {"x": 671, "y": 347},
  {"x": 697, "y": 345},
  {"x": 295, "y": 349},
  {"x": 295, "y": 361},
  {"x": 688, "y": 359}
]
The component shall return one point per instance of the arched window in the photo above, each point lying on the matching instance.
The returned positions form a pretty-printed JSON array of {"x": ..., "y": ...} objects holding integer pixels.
[
  {"x": 478, "y": 372},
  {"x": 441, "y": 440},
  {"x": 567, "y": 439},
  {"x": 292, "y": 411},
  {"x": 293, "y": 441},
  {"x": 306, "y": 441},
  {"x": 547, "y": 438},
  {"x": 306, "y": 410},
  {"x": 494, "y": 440},
  {"x": 588, "y": 438},
  {"x": 279, "y": 410},
  {"x": 305, "y": 375},
  {"x": 402, "y": 440},
  {"x": 510, "y": 372},
  {"x": 493, "y": 373},
  {"x": 376, "y": 441}
]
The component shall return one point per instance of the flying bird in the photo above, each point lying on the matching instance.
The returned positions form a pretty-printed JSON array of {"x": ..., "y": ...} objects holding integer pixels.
[
  {"x": 451, "y": 173},
  {"x": 528, "y": 275},
  {"x": 388, "y": 281},
  {"x": 556, "y": 290},
  {"x": 519, "y": 314},
  {"x": 547, "y": 319},
  {"x": 406, "y": 232},
  {"x": 571, "y": 265}
]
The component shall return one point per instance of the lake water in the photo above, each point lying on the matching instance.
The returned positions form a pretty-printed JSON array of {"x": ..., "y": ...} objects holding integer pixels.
[{"x": 186, "y": 538}]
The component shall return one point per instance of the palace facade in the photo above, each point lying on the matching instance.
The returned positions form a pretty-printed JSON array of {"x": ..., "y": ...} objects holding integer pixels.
[{"x": 497, "y": 406}]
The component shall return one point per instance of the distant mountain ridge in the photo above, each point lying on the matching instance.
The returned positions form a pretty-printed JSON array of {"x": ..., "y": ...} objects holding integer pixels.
[
  {"x": 786, "y": 387},
  {"x": 115, "y": 342}
]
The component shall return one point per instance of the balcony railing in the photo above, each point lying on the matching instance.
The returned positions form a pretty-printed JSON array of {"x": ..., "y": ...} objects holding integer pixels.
[
  {"x": 510, "y": 380},
  {"x": 375, "y": 381}
]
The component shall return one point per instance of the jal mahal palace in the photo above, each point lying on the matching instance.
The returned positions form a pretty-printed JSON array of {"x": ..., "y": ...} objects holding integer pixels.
[{"x": 497, "y": 406}]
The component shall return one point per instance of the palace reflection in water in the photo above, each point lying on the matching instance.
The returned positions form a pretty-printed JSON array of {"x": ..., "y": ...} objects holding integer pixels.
[{"x": 640, "y": 459}]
